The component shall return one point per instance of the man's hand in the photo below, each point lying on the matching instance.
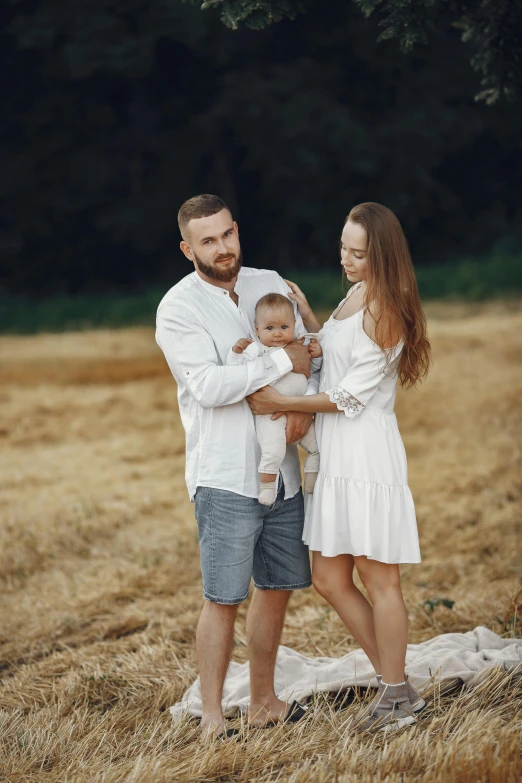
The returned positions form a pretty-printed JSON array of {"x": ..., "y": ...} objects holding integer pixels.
[
  {"x": 241, "y": 345},
  {"x": 297, "y": 425},
  {"x": 299, "y": 357}
]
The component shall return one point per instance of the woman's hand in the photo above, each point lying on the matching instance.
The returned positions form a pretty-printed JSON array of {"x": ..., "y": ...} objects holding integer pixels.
[
  {"x": 307, "y": 314},
  {"x": 266, "y": 400},
  {"x": 299, "y": 298}
]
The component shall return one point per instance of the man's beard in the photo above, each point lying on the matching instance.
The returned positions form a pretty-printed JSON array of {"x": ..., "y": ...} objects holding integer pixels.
[{"x": 215, "y": 273}]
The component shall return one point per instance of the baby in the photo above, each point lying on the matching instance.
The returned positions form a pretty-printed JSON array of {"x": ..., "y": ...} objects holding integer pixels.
[{"x": 275, "y": 326}]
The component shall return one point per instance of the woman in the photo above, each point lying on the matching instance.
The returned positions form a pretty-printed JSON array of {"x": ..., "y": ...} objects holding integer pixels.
[{"x": 361, "y": 513}]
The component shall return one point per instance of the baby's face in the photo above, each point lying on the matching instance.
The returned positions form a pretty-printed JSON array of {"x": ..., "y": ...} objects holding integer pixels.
[{"x": 275, "y": 326}]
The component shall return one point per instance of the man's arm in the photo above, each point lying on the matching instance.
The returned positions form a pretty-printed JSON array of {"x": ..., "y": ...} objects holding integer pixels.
[{"x": 192, "y": 357}]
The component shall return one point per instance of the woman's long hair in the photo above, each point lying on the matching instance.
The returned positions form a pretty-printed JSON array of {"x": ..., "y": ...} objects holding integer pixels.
[{"x": 392, "y": 295}]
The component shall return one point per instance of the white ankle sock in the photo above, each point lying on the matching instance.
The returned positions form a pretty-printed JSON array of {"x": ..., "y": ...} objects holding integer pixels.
[{"x": 393, "y": 684}]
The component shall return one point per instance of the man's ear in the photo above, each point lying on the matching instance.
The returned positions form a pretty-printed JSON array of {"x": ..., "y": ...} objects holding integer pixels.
[{"x": 186, "y": 250}]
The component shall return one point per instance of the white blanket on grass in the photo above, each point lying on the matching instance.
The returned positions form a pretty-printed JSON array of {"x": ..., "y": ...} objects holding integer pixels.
[{"x": 449, "y": 657}]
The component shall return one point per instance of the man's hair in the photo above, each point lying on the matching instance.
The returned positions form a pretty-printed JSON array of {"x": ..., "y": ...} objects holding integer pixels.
[
  {"x": 274, "y": 300},
  {"x": 198, "y": 207}
]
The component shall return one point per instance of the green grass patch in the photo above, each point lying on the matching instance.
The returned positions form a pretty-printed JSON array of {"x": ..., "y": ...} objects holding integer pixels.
[
  {"x": 20, "y": 315},
  {"x": 470, "y": 280}
]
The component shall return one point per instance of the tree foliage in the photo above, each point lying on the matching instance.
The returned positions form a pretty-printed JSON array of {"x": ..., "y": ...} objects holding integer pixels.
[
  {"x": 117, "y": 111},
  {"x": 255, "y": 14},
  {"x": 492, "y": 29}
]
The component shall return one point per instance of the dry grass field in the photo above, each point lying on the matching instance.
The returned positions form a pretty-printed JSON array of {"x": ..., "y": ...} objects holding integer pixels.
[{"x": 100, "y": 576}]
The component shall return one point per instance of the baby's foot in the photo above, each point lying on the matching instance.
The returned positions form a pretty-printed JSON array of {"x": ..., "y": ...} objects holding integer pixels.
[
  {"x": 267, "y": 494},
  {"x": 309, "y": 482}
]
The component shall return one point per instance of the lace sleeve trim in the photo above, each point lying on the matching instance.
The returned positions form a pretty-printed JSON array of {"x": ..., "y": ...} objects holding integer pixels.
[{"x": 346, "y": 402}]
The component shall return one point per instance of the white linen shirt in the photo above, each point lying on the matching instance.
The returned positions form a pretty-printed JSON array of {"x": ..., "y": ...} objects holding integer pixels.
[{"x": 196, "y": 325}]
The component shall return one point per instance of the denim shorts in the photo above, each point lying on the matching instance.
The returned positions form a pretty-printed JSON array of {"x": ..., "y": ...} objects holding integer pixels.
[{"x": 239, "y": 538}]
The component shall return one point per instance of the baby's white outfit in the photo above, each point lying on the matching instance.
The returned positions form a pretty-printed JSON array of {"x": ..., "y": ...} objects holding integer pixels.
[{"x": 271, "y": 434}]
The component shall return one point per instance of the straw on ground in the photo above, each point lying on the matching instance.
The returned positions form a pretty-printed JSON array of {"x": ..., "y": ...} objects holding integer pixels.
[{"x": 100, "y": 575}]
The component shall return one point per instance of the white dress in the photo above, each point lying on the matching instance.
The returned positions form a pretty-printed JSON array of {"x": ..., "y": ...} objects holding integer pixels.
[{"x": 361, "y": 504}]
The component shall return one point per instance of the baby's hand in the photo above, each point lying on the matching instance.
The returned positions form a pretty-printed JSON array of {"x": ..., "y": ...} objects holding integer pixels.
[
  {"x": 314, "y": 349},
  {"x": 240, "y": 346}
]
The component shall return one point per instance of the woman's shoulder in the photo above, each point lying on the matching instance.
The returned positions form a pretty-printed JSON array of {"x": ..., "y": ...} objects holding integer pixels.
[{"x": 380, "y": 328}]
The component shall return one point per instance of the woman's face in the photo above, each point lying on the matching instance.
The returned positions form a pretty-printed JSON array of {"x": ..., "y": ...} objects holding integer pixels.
[{"x": 354, "y": 244}]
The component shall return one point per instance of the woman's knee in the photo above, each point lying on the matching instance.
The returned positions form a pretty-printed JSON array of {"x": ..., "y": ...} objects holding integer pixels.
[
  {"x": 332, "y": 576},
  {"x": 378, "y": 577},
  {"x": 322, "y": 583},
  {"x": 331, "y": 584}
]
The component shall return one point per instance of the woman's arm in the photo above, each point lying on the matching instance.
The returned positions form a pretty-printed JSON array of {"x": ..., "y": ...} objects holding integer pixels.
[
  {"x": 312, "y": 324},
  {"x": 351, "y": 395},
  {"x": 268, "y": 400}
]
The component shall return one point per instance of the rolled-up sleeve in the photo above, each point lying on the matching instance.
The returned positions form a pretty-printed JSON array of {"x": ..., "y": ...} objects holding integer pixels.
[{"x": 194, "y": 361}]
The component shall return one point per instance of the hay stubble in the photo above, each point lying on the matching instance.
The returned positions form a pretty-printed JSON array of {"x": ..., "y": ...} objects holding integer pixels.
[{"x": 100, "y": 576}]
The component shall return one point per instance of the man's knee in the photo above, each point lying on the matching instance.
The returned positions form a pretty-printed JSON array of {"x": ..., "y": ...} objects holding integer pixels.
[
  {"x": 272, "y": 597},
  {"x": 220, "y": 609}
]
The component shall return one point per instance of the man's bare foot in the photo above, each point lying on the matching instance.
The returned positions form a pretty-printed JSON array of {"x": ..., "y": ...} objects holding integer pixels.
[
  {"x": 211, "y": 727},
  {"x": 270, "y": 711}
]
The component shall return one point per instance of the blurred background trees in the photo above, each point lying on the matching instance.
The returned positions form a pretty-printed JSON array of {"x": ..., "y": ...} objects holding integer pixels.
[
  {"x": 116, "y": 111},
  {"x": 492, "y": 27}
]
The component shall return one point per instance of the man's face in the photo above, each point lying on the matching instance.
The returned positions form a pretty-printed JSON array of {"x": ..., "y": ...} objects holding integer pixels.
[{"x": 212, "y": 243}]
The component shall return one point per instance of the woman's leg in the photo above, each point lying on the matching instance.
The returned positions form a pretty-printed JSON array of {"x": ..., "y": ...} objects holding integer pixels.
[
  {"x": 332, "y": 577},
  {"x": 383, "y": 583}
]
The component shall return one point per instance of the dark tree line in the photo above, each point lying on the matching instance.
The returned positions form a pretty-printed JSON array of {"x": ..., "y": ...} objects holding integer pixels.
[
  {"x": 115, "y": 112},
  {"x": 492, "y": 28}
]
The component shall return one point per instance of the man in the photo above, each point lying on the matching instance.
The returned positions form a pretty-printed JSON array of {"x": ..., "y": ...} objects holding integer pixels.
[{"x": 198, "y": 321}]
